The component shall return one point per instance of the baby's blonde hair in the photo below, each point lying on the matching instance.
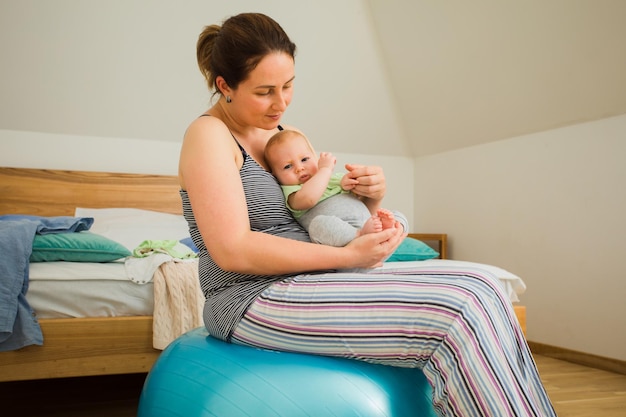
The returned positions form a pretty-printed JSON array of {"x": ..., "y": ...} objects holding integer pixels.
[{"x": 280, "y": 138}]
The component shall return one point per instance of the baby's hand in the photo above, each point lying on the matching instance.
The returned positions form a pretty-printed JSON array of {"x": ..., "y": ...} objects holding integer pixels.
[
  {"x": 327, "y": 160},
  {"x": 348, "y": 183}
]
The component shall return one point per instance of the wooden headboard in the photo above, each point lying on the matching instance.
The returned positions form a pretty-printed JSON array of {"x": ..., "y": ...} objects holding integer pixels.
[{"x": 46, "y": 192}]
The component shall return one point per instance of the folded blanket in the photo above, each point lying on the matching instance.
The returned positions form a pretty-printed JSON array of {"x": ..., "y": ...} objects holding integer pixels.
[
  {"x": 18, "y": 323},
  {"x": 178, "y": 301},
  {"x": 58, "y": 224},
  {"x": 150, "y": 255},
  {"x": 174, "y": 248}
]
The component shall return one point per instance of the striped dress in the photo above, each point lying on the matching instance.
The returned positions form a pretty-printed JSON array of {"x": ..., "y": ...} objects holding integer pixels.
[{"x": 458, "y": 327}]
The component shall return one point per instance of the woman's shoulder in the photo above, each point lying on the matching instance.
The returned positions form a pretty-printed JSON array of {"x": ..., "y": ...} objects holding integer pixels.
[
  {"x": 208, "y": 135},
  {"x": 204, "y": 127},
  {"x": 208, "y": 150},
  {"x": 207, "y": 122}
]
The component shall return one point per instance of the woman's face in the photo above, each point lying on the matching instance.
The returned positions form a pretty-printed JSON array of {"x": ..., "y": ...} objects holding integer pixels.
[{"x": 264, "y": 96}]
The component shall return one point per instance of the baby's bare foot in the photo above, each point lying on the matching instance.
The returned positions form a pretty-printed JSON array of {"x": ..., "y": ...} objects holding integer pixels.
[
  {"x": 372, "y": 225},
  {"x": 387, "y": 218}
]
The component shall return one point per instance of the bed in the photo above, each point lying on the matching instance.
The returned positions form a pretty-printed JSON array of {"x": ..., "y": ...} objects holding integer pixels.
[{"x": 114, "y": 343}]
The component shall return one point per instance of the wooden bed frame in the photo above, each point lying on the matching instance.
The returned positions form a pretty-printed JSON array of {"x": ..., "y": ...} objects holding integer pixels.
[
  {"x": 96, "y": 346},
  {"x": 84, "y": 346}
]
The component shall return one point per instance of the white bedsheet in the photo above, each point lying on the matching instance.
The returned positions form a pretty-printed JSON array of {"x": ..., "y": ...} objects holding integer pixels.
[
  {"x": 82, "y": 289},
  {"x": 512, "y": 284}
]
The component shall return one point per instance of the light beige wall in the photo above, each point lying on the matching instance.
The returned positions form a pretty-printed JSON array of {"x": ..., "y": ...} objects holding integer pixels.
[
  {"x": 21, "y": 149},
  {"x": 127, "y": 69},
  {"x": 471, "y": 72},
  {"x": 549, "y": 207}
]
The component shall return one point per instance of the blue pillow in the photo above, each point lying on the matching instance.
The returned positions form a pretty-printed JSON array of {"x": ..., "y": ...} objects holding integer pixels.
[
  {"x": 412, "y": 250},
  {"x": 189, "y": 242},
  {"x": 76, "y": 247}
]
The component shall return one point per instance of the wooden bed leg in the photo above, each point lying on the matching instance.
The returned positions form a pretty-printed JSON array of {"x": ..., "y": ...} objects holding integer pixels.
[{"x": 520, "y": 312}]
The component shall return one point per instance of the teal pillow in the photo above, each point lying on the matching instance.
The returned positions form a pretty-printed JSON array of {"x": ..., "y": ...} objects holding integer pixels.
[
  {"x": 76, "y": 247},
  {"x": 412, "y": 250}
]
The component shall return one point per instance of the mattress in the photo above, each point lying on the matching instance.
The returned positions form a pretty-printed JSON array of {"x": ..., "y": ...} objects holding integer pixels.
[
  {"x": 511, "y": 284},
  {"x": 82, "y": 289}
]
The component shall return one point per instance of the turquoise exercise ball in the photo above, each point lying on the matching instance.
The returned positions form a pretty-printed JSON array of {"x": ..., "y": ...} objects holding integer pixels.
[{"x": 200, "y": 376}]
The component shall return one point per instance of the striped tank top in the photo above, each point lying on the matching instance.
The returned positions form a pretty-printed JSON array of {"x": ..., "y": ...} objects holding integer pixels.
[{"x": 228, "y": 294}]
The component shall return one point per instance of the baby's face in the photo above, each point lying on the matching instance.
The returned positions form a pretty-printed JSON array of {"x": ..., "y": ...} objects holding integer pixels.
[{"x": 293, "y": 162}]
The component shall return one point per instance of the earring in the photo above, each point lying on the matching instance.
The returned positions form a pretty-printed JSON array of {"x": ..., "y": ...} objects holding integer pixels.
[{"x": 228, "y": 100}]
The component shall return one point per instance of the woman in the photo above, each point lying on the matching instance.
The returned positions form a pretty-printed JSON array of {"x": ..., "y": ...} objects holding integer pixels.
[{"x": 262, "y": 277}]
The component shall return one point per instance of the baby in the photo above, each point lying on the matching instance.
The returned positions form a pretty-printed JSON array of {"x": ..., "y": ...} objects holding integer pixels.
[{"x": 319, "y": 199}]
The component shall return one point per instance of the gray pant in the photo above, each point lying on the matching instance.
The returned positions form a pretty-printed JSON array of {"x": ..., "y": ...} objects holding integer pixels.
[{"x": 336, "y": 220}]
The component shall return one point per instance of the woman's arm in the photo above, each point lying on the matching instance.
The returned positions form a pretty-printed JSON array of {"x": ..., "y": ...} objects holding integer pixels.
[{"x": 209, "y": 171}]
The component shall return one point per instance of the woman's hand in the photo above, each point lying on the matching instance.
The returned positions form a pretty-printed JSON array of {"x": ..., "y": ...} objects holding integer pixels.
[
  {"x": 373, "y": 248},
  {"x": 371, "y": 181}
]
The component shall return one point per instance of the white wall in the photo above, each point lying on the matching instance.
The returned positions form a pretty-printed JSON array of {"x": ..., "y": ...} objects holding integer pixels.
[
  {"x": 127, "y": 69},
  {"x": 549, "y": 207},
  {"x": 471, "y": 72},
  {"x": 21, "y": 149}
]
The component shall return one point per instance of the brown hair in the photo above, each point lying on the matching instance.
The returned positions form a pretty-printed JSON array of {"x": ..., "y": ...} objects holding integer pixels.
[{"x": 235, "y": 48}]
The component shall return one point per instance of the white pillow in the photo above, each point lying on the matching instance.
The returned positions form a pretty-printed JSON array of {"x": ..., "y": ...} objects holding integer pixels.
[{"x": 130, "y": 226}]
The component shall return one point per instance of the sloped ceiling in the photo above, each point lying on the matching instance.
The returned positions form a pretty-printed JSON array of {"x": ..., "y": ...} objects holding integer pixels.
[{"x": 467, "y": 73}]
